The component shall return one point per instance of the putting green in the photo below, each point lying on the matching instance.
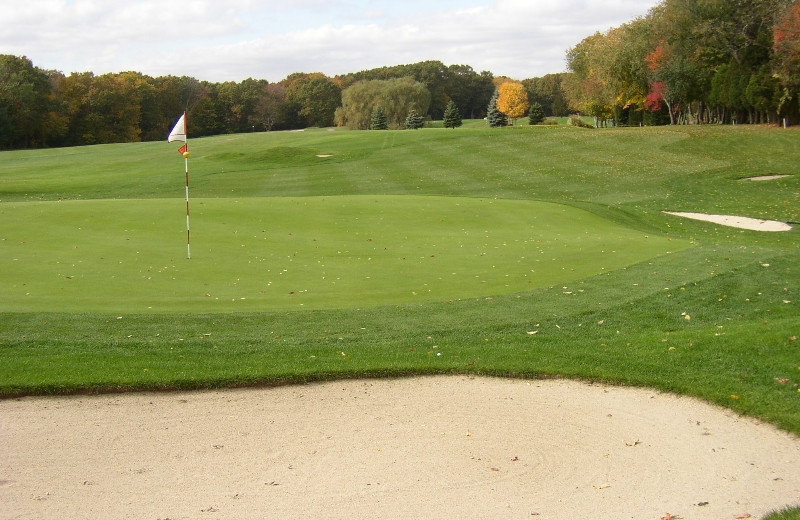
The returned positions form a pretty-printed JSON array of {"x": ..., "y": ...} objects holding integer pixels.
[{"x": 257, "y": 254}]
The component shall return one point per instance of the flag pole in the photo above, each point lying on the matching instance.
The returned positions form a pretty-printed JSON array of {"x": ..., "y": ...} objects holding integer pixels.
[
  {"x": 186, "y": 167},
  {"x": 179, "y": 133}
]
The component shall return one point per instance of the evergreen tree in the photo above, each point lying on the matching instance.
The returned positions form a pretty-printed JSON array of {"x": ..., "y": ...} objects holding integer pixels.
[
  {"x": 378, "y": 120},
  {"x": 452, "y": 117},
  {"x": 535, "y": 114},
  {"x": 493, "y": 114},
  {"x": 414, "y": 120}
]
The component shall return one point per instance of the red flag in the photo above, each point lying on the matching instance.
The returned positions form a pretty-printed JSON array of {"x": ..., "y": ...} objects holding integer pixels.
[{"x": 182, "y": 150}]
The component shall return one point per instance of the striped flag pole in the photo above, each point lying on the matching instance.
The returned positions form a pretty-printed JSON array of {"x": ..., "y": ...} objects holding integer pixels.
[
  {"x": 186, "y": 167},
  {"x": 178, "y": 133}
]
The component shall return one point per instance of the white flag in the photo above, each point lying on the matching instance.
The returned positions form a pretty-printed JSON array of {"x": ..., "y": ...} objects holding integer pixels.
[{"x": 179, "y": 132}]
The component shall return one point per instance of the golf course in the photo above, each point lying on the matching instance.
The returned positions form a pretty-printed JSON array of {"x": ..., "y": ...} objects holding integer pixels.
[{"x": 531, "y": 252}]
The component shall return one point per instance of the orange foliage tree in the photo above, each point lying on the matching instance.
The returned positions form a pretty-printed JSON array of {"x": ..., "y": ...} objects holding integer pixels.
[{"x": 512, "y": 100}]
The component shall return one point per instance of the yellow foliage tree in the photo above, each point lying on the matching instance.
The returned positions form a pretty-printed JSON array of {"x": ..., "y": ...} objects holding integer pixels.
[{"x": 512, "y": 100}]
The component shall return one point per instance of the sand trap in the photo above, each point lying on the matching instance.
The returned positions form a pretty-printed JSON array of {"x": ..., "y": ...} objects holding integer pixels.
[
  {"x": 738, "y": 222},
  {"x": 765, "y": 177},
  {"x": 437, "y": 447}
]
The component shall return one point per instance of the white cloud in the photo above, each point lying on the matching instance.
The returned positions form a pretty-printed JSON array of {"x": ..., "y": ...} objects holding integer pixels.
[{"x": 235, "y": 39}]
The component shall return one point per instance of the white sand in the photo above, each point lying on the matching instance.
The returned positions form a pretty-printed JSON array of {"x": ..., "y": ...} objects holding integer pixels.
[
  {"x": 738, "y": 222},
  {"x": 437, "y": 447},
  {"x": 766, "y": 177}
]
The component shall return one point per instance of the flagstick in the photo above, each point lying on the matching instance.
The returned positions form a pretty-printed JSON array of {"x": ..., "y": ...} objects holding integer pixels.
[
  {"x": 188, "y": 249},
  {"x": 178, "y": 133}
]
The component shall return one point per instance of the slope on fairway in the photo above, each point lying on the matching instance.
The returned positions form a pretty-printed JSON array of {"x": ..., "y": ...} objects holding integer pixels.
[{"x": 261, "y": 254}]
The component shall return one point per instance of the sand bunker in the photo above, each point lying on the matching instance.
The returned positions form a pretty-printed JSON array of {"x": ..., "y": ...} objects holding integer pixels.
[
  {"x": 436, "y": 447},
  {"x": 737, "y": 222},
  {"x": 765, "y": 177}
]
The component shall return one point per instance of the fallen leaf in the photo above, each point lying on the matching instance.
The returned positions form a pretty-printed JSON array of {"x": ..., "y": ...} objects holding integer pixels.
[
  {"x": 734, "y": 396},
  {"x": 743, "y": 515},
  {"x": 495, "y": 469}
]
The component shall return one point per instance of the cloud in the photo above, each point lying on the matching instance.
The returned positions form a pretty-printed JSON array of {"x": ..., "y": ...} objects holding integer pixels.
[{"x": 236, "y": 39}]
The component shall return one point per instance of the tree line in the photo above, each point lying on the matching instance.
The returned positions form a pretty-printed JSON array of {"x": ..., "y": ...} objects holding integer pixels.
[
  {"x": 693, "y": 61},
  {"x": 46, "y": 108}
]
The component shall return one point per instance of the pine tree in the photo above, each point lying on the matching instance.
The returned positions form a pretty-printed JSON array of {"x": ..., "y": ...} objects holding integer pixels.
[
  {"x": 452, "y": 117},
  {"x": 535, "y": 114},
  {"x": 414, "y": 120},
  {"x": 493, "y": 114},
  {"x": 378, "y": 120}
]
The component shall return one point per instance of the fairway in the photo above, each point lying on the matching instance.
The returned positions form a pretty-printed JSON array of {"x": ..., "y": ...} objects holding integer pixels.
[{"x": 255, "y": 254}]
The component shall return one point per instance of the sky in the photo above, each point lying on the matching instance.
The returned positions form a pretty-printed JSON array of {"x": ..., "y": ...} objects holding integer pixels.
[{"x": 231, "y": 40}]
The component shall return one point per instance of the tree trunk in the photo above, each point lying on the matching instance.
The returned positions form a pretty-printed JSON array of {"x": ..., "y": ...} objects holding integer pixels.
[{"x": 669, "y": 109}]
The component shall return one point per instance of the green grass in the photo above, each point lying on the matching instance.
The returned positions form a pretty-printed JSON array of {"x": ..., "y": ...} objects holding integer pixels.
[
  {"x": 282, "y": 253},
  {"x": 564, "y": 263},
  {"x": 784, "y": 514}
]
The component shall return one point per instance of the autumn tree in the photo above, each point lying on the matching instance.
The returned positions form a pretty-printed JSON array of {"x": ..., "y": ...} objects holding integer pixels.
[
  {"x": 709, "y": 43},
  {"x": 589, "y": 87},
  {"x": 452, "y": 117},
  {"x": 512, "y": 100}
]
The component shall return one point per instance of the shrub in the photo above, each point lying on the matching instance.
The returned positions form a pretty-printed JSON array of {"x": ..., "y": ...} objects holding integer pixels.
[{"x": 576, "y": 120}]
